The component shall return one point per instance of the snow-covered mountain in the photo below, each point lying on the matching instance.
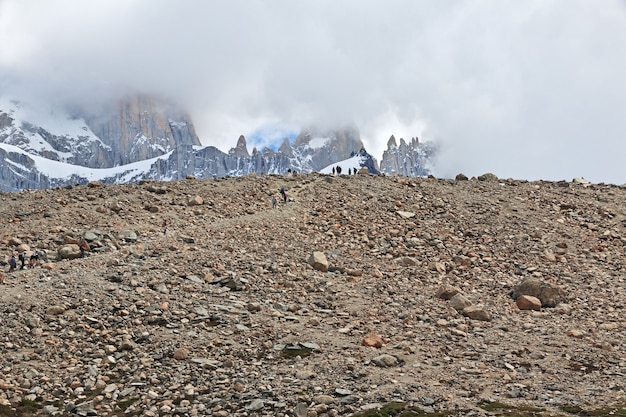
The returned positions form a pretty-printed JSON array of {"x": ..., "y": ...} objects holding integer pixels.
[{"x": 142, "y": 137}]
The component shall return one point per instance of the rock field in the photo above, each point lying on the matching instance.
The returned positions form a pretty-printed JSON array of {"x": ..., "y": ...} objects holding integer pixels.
[{"x": 445, "y": 295}]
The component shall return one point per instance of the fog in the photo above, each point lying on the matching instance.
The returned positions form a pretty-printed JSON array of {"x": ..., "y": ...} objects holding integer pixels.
[{"x": 530, "y": 89}]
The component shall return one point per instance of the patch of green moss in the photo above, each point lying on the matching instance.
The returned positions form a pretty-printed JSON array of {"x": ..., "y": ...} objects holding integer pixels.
[
  {"x": 388, "y": 410},
  {"x": 495, "y": 409},
  {"x": 501, "y": 409},
  {"x": 399, "y": 409},
  {"x": 615, "y": 411}
]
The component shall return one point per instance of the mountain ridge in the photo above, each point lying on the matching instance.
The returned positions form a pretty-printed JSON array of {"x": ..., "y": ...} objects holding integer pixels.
[{"x": 143, "y": 137}]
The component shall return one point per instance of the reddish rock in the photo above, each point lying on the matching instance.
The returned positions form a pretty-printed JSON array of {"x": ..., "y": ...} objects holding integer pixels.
[
  {"x": 528, "y": 302},
  {"x": 373, "y": 340}
]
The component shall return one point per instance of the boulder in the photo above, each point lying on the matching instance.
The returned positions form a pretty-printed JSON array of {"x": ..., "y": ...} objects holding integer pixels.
[
  {"x": 459, "y": 302},
  {"x": 447, "y": 291},
  {"x": 195, "y": 201},
  {"x": 318, "y": 261},
  {"x": 373, "y": 340},
  {"x": 548, "y": 293},
  {"x": 528, "y": 302},
  {"x": 488, "y": 177},
  {"x": 385, "y": 361},
  {"x": 68, "y": 251},
  {"x": 477, "y": 313}
]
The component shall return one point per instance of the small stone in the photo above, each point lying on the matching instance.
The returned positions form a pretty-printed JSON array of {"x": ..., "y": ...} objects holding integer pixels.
[
  {"x": 459, "y": 302},
  {"x": 476, "y": 313},
  {"x": 181, "y": 354},
  {"x": 55, "y": 310},
  {"x": 405, "y": 214},
  {"x": 447, "y": 291},
  {"x": 323, "y": 399},
  {"x": 255, "y": 405},
  {"x": 343, "y": 392},
  {"x": 576, "y": 333},
  {"x": 300, "y": 410},
  {"x": 195, "y": 201},
  {"x": 110, "y": 388},
  {"x": 304, "y": 374},
  {"x": 385, "y": 361}
]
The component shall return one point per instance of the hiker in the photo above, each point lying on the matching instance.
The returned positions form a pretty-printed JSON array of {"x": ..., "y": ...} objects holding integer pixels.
[
  {"x": 164, "y": 225},
  {"x": 333, "y": 170},
  {"x": 12, "y": 263},
  {"x": 84, "y": 247},
  {"x": 283, "y": 193},
  {"x": 274, "y": 201},
  {"x": 22, "y": 258},
  {"x": 34, "y": 259},
  {"x": 338, "y": 169}
]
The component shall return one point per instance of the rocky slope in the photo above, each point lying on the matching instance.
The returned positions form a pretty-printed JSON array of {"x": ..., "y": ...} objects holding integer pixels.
[{"x": 225, "y": 312}]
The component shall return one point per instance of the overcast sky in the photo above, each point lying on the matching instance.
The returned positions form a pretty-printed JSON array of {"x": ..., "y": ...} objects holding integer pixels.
[{"x": 531, "y": 89}]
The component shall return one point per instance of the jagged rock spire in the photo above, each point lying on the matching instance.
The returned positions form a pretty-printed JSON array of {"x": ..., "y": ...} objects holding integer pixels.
[{"x": 241, "y": 150}]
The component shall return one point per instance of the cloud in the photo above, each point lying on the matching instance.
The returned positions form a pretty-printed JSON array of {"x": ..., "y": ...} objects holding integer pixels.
[{"x": 528, "y": 89}]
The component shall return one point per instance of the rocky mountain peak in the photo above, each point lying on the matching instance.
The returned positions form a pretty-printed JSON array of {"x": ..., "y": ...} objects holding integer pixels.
[
  {"x": 285, "y": 148},
  {"x": 241, "y": 150},
  {"x": 141, "y": 127},
  {"x": 409, "y": 159}
]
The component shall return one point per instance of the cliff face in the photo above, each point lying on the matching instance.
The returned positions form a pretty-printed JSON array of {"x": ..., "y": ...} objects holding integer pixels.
[
  {"x": 134, "y": 129},
  {"x": 142, "y": 127},
  {"x": 410, "y": 159}
]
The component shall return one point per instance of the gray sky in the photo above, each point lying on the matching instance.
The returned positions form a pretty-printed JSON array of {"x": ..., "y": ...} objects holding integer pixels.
[{"x": 529, "y": 89}]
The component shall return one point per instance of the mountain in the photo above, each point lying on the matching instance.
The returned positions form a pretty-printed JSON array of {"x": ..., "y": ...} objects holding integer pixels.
[
  {"x": 412, "y": 159},
  {"x": 144, "y": 137}
]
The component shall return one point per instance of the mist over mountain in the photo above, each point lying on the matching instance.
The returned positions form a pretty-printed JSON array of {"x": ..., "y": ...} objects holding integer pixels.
[{"x": 145, "y": 137}]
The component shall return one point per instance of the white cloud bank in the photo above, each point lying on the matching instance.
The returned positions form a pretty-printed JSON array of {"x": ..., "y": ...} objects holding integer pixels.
[{"x": 527, "y": 89}]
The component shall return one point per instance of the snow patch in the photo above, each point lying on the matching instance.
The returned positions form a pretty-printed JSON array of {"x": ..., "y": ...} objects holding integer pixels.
[
  {"x": 63, "y": 171},
  {"x": 316, "y": 143},
  {"x": 351, "y": 163}
]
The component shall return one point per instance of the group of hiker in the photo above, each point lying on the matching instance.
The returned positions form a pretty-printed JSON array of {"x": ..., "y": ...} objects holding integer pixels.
[
  {"x": 22, "y": 258},
  {"x": 283, "y": 196},
  {"x": 337, "y": 170}
]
